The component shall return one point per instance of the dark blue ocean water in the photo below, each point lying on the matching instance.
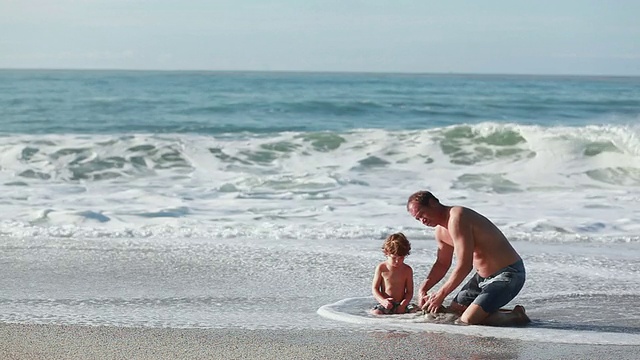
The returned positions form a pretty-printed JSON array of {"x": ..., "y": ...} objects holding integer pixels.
[{"x": 213, "y": 103}]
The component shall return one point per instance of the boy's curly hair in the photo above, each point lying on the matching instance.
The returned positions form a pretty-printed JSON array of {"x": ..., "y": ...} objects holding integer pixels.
[{"x": 396, "y": 244}]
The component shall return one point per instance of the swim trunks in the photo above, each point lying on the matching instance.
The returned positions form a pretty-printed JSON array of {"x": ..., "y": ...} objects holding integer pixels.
[
  {"x": 495, "y": 291},
  {"x": 409, "y": 308}
]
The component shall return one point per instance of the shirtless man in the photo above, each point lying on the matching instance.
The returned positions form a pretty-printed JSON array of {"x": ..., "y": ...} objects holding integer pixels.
[{"x": 477, "y": 243}]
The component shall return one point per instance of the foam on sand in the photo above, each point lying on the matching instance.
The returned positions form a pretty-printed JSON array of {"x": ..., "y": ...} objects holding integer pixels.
[{"x": 355, "y": 310}]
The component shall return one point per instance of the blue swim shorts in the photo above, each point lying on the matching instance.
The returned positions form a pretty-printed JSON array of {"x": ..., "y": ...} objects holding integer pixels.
[{"x": 495, "y": 291}]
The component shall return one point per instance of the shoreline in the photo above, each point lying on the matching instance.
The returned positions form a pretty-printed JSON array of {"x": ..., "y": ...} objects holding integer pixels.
[{"x": 22, "y": 341}]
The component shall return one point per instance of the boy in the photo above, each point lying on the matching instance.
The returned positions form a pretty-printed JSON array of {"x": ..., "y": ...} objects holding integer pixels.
[{"x": 392, "y": 283}]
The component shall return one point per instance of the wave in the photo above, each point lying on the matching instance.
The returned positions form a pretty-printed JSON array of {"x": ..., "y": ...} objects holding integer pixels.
[
  {"x": 603, "y": 154},
  {"x": 85, "y": 225},
  {"x": 564, "y": 183}
]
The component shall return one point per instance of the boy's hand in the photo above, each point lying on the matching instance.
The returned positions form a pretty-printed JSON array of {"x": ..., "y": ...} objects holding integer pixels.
[
  {"x": 388, "y": 303},
  {"x": 401, "y": 309}
]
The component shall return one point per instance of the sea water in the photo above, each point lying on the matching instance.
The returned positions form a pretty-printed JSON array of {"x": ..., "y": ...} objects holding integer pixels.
[{"x": 260, "y": 200}]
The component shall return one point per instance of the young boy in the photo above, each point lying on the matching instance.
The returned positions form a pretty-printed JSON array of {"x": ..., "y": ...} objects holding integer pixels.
[{"x": 392, "y": 283}]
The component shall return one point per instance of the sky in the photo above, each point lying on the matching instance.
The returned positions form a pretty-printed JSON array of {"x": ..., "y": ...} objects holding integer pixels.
[{"x": 572, "y": 37}]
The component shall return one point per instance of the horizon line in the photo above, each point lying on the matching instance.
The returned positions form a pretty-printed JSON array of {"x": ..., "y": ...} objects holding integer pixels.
[{"x": 451, "y": 73}]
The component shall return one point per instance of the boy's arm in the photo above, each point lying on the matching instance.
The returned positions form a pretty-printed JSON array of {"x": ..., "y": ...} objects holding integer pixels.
[
  {"x": 375, "y": 289},
  {"x": 408, "y": 291}
]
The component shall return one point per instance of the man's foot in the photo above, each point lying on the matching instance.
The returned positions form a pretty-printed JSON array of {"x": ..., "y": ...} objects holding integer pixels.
[{"x": 520, "y": 315}]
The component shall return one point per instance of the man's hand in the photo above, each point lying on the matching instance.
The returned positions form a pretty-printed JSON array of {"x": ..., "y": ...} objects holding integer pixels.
[
  {"x": 422, "y": 300},
  {"x": 435, "y": 301}
]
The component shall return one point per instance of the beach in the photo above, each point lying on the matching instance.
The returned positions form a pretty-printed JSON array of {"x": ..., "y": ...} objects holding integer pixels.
[{"x": 87, "y": 342}]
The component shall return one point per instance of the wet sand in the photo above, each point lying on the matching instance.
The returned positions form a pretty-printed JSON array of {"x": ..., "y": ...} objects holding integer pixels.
[{"x": 86, "y": 342}]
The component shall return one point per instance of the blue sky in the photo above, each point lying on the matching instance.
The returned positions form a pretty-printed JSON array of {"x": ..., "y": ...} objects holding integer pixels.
[{"x": 535, "y": 37}]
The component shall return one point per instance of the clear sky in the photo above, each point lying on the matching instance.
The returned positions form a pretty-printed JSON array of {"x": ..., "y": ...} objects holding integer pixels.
[{"x": 476, "y": 36}]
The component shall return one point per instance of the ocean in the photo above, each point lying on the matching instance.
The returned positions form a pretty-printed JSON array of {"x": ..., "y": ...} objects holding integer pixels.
[{"x": 251, "y": 200}]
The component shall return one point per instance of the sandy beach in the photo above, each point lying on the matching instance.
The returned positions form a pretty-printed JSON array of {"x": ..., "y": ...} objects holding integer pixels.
[{"x": 82, "y": 342}]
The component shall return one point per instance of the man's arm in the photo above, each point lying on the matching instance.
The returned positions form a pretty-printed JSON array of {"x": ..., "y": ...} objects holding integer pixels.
[
  {"x": 439, "y": 268},
  {"x": 462, "y": 238}
]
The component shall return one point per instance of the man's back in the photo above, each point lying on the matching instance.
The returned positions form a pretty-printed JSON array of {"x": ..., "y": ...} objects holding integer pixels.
[{"x": 491, "y": 249}]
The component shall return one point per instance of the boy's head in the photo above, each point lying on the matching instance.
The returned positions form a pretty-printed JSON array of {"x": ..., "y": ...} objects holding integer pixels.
[{"x": 396, "y": 244}]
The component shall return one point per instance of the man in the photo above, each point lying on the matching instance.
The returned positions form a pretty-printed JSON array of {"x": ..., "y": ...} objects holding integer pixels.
[{"x": 477, "y": 243}]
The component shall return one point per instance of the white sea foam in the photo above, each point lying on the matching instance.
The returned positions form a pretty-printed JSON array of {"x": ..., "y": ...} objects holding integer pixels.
[
  {"x": 527, "y": 178},
  {"x": 351, "y": 310}
]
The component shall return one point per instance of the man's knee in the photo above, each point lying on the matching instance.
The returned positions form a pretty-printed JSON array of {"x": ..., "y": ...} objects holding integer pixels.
[{"x": 473, "y": 315}]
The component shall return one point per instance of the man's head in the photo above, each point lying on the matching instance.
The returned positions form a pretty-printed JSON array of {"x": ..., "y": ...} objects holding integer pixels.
[{"x": 423, "y": 206}]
